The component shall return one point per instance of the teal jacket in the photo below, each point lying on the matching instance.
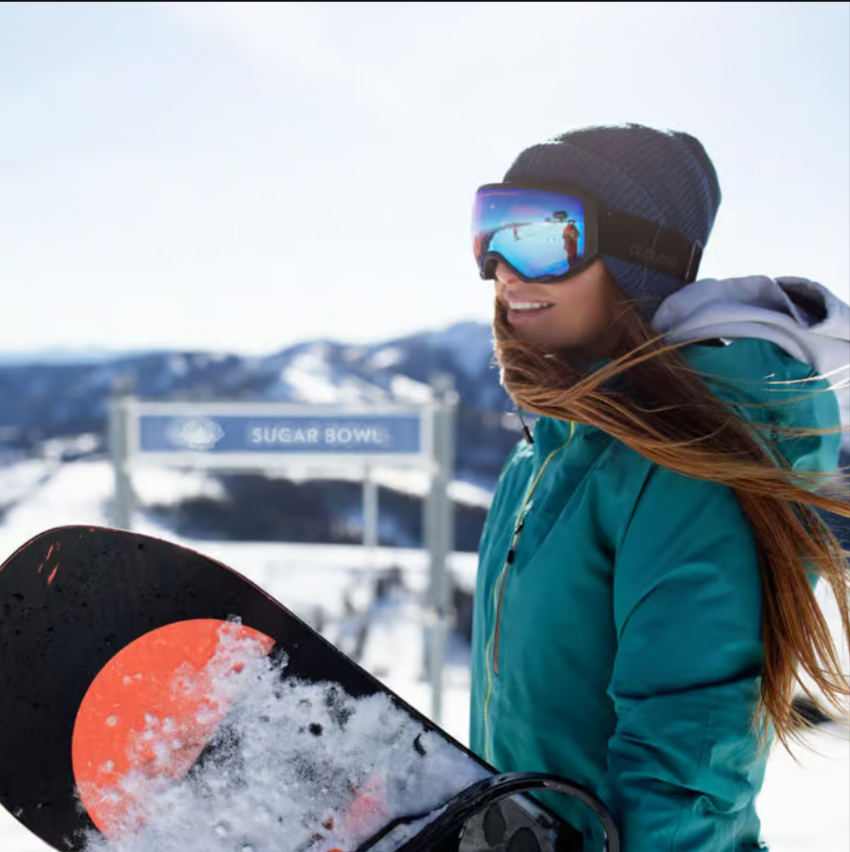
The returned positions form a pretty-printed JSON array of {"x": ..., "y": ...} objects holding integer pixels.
[{"x": 622, "y": 646}]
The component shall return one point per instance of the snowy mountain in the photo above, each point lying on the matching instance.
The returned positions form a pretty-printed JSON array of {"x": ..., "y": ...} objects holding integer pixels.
[
  {"x": 48, "y": 400},
  {"x": 45, "y": 406}
]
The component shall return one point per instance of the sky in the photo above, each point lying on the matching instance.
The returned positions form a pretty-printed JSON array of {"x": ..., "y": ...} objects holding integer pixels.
[{"x": 244, "y": 176}]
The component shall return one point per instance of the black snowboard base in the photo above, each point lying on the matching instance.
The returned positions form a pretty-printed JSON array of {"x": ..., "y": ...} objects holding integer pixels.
[{"x": 98, "y": 629}]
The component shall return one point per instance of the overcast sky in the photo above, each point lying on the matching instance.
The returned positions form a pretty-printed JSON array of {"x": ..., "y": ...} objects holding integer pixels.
[{"x": 243, "y": 176}]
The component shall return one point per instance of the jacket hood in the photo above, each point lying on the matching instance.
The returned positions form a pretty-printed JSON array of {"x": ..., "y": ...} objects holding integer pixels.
[{"x": 802, "y": 318}]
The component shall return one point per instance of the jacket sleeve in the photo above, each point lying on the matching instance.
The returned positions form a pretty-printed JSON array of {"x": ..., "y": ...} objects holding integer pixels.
[{"x": 683, "y": 768}]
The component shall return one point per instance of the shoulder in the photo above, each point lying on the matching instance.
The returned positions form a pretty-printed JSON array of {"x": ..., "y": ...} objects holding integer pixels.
[
  {"x": 660, "y": 508},
  {"x": 754, "y": 370},
  {"x": 765, "y": 385}
]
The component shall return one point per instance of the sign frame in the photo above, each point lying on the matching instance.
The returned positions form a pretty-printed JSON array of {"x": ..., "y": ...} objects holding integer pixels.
[{"x": 135, "y": 410}]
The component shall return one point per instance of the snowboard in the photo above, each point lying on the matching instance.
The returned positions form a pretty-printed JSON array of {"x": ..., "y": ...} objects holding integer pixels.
[{"x": 152, "y": 698}]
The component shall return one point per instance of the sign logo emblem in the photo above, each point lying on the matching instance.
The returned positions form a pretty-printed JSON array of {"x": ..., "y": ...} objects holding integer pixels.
[{"x": 197, "y": 434}]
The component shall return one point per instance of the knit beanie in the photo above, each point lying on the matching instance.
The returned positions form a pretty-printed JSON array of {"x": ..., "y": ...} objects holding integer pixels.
[{"x": 664, "y": 177}]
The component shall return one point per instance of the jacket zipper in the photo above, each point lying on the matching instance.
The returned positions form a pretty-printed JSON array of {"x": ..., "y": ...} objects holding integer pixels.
[
  {"x": 508, "y": 562},
  {"x": 494, "y": 638}
]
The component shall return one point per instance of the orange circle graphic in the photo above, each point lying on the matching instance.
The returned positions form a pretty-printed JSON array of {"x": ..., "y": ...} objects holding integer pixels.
[{"x": 152, "y": 709}]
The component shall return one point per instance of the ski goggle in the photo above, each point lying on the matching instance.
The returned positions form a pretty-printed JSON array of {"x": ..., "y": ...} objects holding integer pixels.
[{"x": 545, "y": 233}]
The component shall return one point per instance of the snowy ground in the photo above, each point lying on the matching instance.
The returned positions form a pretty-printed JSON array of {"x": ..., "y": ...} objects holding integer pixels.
[{"x": 804, "y": 806}]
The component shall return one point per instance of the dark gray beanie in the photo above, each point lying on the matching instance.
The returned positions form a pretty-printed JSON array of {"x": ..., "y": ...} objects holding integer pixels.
[{"x": 665, "y": 177}]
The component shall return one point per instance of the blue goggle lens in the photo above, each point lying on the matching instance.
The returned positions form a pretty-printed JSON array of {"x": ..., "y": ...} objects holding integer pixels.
[{"x": 540, "y": 234}]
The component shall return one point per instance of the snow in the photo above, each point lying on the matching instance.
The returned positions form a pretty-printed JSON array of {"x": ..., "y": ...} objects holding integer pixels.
[
  {"x": 312, "y": 751},
  {"x": 73, "y": 493},
  {"x": 22, "y": 478},
  {"x": 472, "y": 349},
  {"x": 308, "y": 376},
  {"x": 413, "y": 481},
  {"x": 408, "y": 390},
  {"x": 166, "y": 487},
  {"x": 312, "y": 379},
  {"x": 385, "y": 358},
  {"x": 178, "y": 365},
  {"x": 803, "y": 806}
]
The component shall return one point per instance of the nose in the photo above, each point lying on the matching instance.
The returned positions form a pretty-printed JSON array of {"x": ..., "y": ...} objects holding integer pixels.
[{"x": 505, "y": 280}]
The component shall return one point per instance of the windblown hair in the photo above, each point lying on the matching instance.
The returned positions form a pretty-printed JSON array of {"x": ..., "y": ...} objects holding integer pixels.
[{"x": 649, "y": 398}]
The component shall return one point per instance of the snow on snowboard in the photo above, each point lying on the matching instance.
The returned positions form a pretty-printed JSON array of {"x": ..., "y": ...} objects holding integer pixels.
[{"x": 154, "y": 700}]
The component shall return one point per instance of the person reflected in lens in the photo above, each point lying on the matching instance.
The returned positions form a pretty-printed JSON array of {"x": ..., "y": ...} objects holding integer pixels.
[{"x": 571, "y": 235}]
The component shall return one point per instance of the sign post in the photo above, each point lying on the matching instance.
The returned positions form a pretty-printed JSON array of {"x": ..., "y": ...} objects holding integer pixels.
[
  {"x": 122, "y": 507},
  {"x": 439, "y": 526}
]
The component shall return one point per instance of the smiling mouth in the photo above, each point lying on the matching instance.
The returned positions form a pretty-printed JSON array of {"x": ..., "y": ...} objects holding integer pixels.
[
  {"x": 520, "y": 312},
  {"x": 528, "y": 306}
]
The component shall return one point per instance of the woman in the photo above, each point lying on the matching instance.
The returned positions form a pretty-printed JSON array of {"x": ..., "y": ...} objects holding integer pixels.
[{"x": 645, "y": 595}]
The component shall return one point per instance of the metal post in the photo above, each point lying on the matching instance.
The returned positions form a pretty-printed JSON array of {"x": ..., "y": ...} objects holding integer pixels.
[
  {"x": 119, "y": 450},
  {"x": 370, "y": 510},
  {"x": 440, "y": 534},
  {"x": 370, "y": 523}
]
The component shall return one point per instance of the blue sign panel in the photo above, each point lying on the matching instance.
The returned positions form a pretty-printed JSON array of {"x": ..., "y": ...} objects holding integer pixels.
[{"x": 221, "y": 435}]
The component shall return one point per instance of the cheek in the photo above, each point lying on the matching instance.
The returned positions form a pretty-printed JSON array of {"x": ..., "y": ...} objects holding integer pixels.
[{"x": 583, "y": 314}]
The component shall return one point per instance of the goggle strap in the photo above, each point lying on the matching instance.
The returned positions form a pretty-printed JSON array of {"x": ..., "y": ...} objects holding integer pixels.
[{"x": 648, "y": 244}]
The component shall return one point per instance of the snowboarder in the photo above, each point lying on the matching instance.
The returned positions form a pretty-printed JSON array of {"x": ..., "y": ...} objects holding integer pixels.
[
  {"x": 645, "y": 603},
  {"x": 571, "y": 236}
]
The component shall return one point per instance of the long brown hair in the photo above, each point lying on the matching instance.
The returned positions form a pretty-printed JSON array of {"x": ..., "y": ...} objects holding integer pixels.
[{"x": 663, "y": 409}]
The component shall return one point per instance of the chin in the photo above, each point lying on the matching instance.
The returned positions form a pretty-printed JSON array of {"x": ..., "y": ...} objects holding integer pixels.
[{"x": 552, "y": 341}]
